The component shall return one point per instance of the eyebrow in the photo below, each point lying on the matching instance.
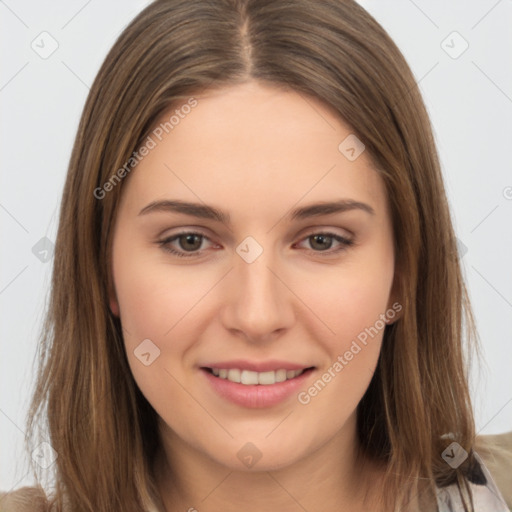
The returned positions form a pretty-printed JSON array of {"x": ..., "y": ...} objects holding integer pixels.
[{"x": 204, "y": 211}]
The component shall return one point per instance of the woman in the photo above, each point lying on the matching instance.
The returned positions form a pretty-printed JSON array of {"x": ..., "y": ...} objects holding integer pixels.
[{"x": 306, "y": 352}]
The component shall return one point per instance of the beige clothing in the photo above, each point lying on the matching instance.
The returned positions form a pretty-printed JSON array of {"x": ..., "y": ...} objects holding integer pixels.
[{"x": 494, "y": 452}]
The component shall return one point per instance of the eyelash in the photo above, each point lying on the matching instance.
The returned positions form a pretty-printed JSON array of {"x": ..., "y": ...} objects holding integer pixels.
[{"x": 345, "y": 243}]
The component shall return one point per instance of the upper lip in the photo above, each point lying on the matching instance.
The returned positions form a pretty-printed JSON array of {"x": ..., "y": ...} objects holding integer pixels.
[{"x": 257, "y": 366}]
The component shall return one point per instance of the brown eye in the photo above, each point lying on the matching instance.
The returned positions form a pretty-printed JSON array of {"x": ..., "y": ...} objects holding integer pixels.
[
  {"x": 187, "y": 242},
  {"x": 190, "y": 242},
  {"x": 322, "y": 242}
]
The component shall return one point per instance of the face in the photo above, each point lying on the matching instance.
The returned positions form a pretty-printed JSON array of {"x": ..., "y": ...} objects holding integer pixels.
[{"x": 254, "y": 283}]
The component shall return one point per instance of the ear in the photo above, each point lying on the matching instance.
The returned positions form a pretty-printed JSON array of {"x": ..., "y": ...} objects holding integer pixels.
[
  {"x": 112, "y": 297},
  {"x": 395, "y": 307},
  {"x": 113, "y": 304}
]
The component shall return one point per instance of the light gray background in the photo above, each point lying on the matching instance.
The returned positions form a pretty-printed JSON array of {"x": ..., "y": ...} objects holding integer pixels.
[{"x": 469, "y": 99}]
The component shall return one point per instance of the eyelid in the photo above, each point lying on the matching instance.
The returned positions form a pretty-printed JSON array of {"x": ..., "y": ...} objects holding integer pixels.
[
  {"x": 316, "y": 230},
  {"x": 313, "y": 230},
  {"x": 344, "y": 241}
]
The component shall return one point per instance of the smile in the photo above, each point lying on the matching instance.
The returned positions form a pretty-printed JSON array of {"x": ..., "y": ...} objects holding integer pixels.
[
  {"x": 252, "y": 389},
  {"x": 248, "y": 377}
]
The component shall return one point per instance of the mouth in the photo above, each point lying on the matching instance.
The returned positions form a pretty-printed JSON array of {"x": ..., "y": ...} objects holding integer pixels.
[
  {"x": 253, "y": 378},
  {"x": 256, "y": 384},
  {"x": 252, "y": 389}
]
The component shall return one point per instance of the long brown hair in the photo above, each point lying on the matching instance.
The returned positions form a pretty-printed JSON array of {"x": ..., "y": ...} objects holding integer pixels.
[{"x": 98, "y": 422}]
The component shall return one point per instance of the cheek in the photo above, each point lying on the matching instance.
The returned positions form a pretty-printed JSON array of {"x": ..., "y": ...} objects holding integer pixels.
[
  {"x": 156, "y": 304},
  {"x": 164, "y": 304},
  {"x": 153, "y": 297},
  {"x": 347, "y": 300},
  {"x": 351, "y": 301},
  {"x": 352, "y": 353}
]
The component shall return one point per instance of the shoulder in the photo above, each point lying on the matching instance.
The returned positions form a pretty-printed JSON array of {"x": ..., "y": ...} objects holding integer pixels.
[
  {"x": 24, "y": 499},
  {"x": 496, "y": 453}
]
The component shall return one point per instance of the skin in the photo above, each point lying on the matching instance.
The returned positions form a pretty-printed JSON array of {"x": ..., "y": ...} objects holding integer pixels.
[{"x": 256, "y": 152}]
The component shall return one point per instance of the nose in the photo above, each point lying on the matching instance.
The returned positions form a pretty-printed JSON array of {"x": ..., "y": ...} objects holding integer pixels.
[{"x": 259, "y": 304}]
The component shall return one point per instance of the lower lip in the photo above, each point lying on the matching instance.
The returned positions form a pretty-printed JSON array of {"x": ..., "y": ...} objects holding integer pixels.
[{"x": 256, "y": 396}]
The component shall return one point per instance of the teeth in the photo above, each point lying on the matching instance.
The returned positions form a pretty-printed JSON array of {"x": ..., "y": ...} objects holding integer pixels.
[
  {"x": 267, "y": 378},
  {"x": 248, "y": 377},
  {"x": 234, "y": 375},
  {"x": 280, "y": 375}
]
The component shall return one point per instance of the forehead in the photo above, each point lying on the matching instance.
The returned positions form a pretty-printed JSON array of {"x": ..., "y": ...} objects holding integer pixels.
[{"x": 249, "y": 145}]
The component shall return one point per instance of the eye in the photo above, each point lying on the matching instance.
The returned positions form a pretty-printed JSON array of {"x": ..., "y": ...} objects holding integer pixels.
[
  {"x": 190, "y": 242},
  {"x": 324, "y": 240}
]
